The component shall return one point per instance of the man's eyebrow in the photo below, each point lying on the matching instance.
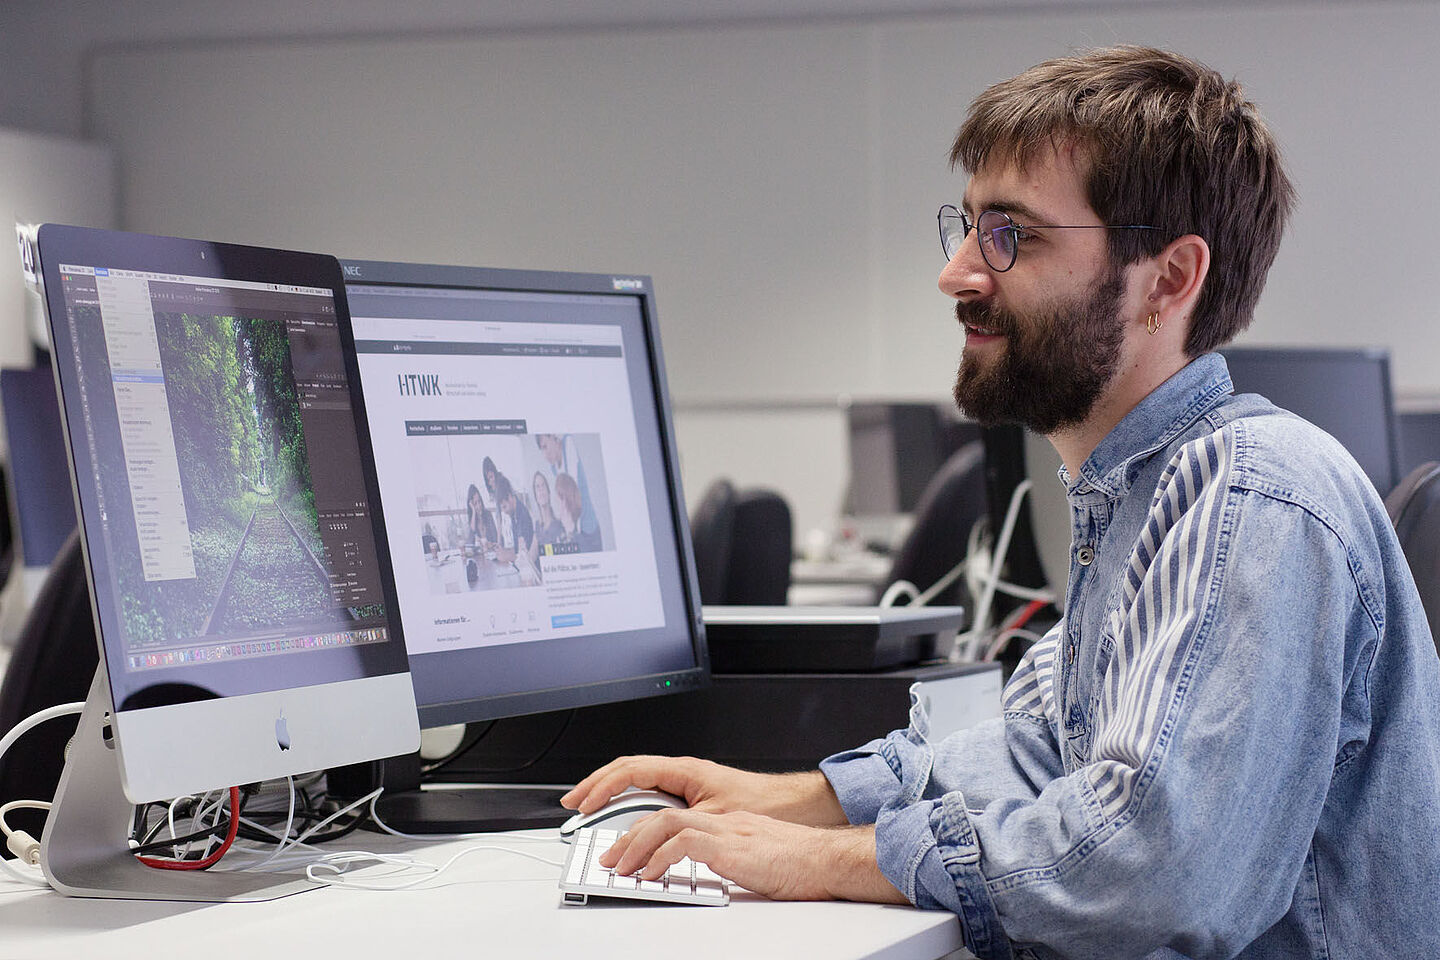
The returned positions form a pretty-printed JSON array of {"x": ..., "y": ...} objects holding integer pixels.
[{"x": 1015, "y": 209}]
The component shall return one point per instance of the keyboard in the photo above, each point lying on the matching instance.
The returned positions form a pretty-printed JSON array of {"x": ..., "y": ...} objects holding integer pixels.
[{"x": 684, "y": 882}]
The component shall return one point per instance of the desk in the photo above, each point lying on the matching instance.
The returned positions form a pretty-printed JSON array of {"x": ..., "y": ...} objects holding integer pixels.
[{"x": 489, "y": 905}]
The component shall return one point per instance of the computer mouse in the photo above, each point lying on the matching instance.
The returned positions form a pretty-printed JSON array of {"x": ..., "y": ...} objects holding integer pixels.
[{"x": 623, "y": 810}]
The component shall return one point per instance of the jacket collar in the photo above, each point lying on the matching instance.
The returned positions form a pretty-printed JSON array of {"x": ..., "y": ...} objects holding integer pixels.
[{"x": 1163, "y": 415}]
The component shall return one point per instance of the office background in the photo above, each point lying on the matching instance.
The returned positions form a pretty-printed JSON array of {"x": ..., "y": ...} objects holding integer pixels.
[{"x": 776, "y": 167}]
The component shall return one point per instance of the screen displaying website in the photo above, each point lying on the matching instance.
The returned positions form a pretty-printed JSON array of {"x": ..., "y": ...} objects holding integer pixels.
[
  {"x": 226, "y": 467},
  {"x": 506, "y": 448}
]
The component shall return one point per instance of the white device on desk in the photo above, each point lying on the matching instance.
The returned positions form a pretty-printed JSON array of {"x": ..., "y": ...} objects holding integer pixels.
[
  {"x": 201, "y": 384},
  {"x": 685, "y": 881},
  {"x": 622, "y": 811}
]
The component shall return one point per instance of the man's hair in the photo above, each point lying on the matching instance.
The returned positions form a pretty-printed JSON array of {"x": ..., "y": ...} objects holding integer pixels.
[
  {"x": 503, "y": 490},
  {"x": 1161, "y": 140}
]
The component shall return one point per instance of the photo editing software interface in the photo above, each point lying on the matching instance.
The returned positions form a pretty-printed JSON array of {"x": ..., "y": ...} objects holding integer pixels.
[
  {"x": 221, "y": 443},
  {"x": 530, "y": 506}
]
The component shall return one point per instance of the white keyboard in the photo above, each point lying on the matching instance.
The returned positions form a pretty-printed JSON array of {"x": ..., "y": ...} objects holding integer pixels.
[{"x": 684, "y": 882}]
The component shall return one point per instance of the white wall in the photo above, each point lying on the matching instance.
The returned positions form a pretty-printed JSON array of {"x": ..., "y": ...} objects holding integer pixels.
[
  {"x": 778, "y": 180},
  {"x": 44, "y": 178}
]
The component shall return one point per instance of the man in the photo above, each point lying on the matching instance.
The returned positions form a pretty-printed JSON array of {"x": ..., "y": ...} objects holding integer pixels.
[{"x": 1230, "y": 745}]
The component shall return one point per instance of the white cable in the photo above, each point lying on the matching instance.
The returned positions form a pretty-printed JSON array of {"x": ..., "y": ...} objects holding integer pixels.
[
  {"x": 898, "y": 589},
  {"x": 972, "y": 638},
  {"x": 284, "y": 834},
  {"x": 1043, "y": 594},
  {"x": 6, "y": 742},
  {"x": 328, "y": 870},
  {"x": 35, "y": 719}
]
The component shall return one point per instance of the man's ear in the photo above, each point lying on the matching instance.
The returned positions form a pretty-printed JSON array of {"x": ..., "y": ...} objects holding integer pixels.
[{"x": 1177, "y": 275}]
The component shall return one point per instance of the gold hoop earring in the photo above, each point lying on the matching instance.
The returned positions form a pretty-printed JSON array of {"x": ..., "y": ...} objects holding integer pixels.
[{"x": 1153, "y": 323}]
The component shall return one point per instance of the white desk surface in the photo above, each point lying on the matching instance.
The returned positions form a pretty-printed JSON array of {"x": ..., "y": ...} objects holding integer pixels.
[{"x": 490, "y": 905}]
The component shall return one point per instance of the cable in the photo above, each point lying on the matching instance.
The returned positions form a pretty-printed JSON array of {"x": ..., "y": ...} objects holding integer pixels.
[
  {"x": 544, "y": 751},
  {"x": 213, "y": 858},
  {"x": 328, "y": 870},
  {"x": 19, "y": 842},
  {"x": 458, "y": 752},
  {"x": 35, "y": 719},
  {"x": 972, "y": 637}
]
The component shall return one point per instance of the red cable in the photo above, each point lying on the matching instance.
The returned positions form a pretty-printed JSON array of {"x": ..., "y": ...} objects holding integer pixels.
[
  {"x": 163, "y": 864},
  {"x": 1032, "y": 608}
]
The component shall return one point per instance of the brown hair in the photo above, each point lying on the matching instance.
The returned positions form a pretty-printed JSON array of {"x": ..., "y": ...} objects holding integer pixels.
[
  {"x": 567, "y": 491},
  {"x": 1167, "y": 142}
]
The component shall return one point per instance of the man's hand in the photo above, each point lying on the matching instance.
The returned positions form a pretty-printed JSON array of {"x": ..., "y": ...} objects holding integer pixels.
[
  {"x": 804, "y": 798},
  {"x": 783, "y": 861}
]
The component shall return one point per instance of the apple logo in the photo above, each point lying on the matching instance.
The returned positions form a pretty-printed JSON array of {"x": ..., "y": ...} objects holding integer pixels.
[{"x": 282, "y": 732}]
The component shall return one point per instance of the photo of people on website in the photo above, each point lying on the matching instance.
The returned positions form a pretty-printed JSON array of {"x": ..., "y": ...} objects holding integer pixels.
[
  {"x": 491, "y": 508},
  {"x": 568, "y": 488}
]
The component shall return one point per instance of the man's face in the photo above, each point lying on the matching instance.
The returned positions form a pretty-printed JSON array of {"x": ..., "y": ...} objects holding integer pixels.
[
  {"x": 550, "y": 448},
  {"x": 1043, "y": 339}
]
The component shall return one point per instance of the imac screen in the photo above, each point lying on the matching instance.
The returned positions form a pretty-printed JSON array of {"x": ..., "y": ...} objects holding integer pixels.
[{"x": 228, "y": 481}]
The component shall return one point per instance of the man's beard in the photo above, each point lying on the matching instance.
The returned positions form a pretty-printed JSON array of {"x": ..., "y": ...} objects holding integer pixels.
[{"x": 1052, "y": 366}]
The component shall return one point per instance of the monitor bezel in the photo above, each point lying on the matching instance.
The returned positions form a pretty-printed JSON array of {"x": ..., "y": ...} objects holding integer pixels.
[
  {"x": 639, "y": 287},
  {"x": 181, "y": 748}
]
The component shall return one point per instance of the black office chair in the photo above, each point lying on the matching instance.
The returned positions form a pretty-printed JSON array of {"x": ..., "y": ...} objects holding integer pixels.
[
  {"x": 743, "y": 543},
  {"x": 1414, "y": 508},
  {"x": 54, "y": 662},
  {"x": 951, "y": 504}
]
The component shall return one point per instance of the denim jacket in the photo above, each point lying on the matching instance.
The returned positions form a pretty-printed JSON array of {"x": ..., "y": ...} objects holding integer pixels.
[{"x": 1230, "y": 744}]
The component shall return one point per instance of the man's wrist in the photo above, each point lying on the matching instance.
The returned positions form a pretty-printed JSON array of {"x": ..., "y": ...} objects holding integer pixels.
[
  {"x": 853, "y": 870},
  {"x": 809, "y": 799}
]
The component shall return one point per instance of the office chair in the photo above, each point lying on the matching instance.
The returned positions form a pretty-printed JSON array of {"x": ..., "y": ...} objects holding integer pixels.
[
  {"x": 1414, "y": 508},
  {"x": 54, "y": 661},
  {"x": 953, "y": 501},
  {"x": 743, "y": 544}
]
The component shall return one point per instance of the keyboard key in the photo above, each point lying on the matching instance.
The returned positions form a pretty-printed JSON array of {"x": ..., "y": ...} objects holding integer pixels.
[{"x": 583, "y": 877}]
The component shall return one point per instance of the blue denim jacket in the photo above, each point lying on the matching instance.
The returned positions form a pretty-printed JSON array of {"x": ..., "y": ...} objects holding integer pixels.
[{"x": 1229, "y": 746}]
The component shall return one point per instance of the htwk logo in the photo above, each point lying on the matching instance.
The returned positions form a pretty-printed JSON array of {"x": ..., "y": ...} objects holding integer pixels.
[{"x": 419, "y": 384}]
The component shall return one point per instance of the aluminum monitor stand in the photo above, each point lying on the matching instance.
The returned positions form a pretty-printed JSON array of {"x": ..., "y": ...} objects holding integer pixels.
[{"x": 84, "y": 850}]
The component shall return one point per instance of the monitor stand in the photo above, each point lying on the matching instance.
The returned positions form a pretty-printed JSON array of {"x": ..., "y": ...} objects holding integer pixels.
[
  {"x": 408, "y": 807},
  {"x": 83, "y": 849}
]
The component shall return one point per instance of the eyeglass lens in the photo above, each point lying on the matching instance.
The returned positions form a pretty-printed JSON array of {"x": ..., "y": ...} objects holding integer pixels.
[{"x": 997, "y": 236}]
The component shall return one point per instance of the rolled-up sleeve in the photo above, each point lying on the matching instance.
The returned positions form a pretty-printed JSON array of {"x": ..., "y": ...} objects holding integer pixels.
[{"x": 1185, "y": 820}]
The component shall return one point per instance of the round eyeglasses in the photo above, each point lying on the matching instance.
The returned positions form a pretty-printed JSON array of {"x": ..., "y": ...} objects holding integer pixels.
[{"x": 1000, "y": 236}]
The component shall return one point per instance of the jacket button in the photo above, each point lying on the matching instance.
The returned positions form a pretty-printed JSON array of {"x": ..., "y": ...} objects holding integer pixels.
[{"x": 1085, "y": 555}]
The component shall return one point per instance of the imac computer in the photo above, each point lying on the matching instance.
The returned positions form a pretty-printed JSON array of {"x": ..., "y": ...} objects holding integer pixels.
[
  {"x": 1345, "y": 392},
  {"x": 237, "y": 570},
  {"x": 537, "y": 530}
]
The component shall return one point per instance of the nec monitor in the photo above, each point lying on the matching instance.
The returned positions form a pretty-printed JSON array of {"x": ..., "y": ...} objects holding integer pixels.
[
  {"x": 527, "y": 467},
  {"x": 1345, "y": 392},
  {"x": 237, "y": 569}
]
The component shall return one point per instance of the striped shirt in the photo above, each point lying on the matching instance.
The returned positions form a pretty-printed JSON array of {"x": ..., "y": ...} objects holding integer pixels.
[{"x": 1206, "y": 756}]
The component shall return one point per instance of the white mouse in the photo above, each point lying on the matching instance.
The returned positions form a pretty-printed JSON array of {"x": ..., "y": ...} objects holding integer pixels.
[{"x": 622, "y": 811}]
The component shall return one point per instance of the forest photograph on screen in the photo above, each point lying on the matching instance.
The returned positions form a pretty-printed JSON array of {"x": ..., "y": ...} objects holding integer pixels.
[{"x": 248, "y": 500}]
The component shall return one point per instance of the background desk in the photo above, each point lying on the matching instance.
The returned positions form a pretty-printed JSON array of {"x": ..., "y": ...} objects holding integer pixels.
[{"x": 489, "y": 905}]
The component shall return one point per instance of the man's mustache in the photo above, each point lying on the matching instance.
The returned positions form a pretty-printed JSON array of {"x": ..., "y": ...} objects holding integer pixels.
[{"x": 986, "y": 316}]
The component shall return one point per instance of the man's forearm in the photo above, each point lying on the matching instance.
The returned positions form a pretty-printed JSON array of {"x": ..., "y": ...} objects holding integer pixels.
[
  {"x": 854, "y": 870},
  {"x": 807, "y": 798}
]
